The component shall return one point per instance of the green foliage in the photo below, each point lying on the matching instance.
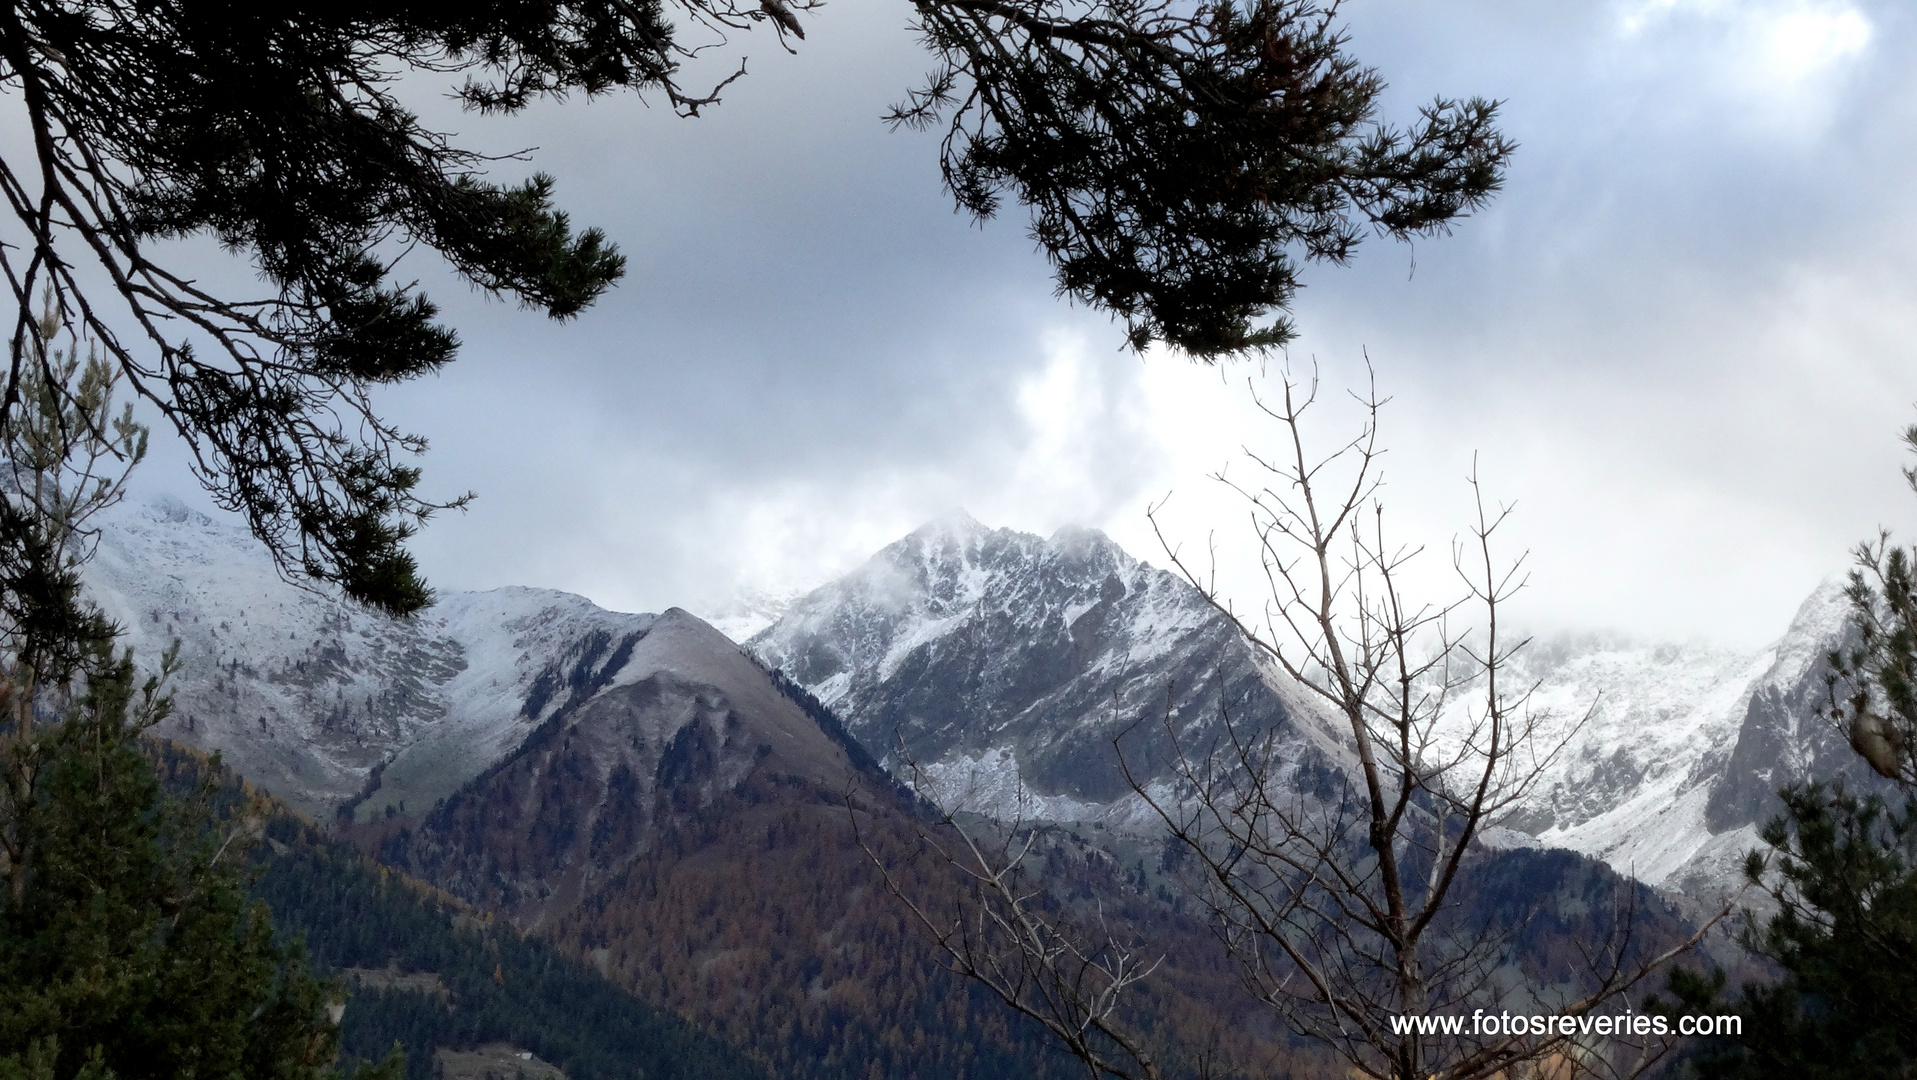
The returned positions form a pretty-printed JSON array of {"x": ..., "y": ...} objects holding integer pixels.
[
  {"x": 39, "y": 602},
  {"x": 503, "y": 987},
  {"x": 128, "y": 945},
  {"x": 64, "y": 457},
  {"x": 1845, "y": 938},
  {"x": 1177, "y": 158},
  {"x": 1874, "y": 682}
]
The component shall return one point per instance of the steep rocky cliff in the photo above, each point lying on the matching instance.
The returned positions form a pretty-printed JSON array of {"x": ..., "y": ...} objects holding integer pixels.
[{"x": 1014, "y": 669}]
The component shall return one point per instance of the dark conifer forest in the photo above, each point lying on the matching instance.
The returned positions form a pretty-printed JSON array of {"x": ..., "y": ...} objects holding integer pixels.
[{"x": 500, "y": 986}]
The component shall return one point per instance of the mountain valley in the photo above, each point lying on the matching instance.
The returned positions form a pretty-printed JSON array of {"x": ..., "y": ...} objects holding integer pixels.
[{"x": 698, "y": 820}]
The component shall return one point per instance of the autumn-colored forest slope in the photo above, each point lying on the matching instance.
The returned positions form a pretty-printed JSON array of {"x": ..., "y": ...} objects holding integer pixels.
[
  {"x": 471, "y": 981},
  {"x": 688, "y": 832}
]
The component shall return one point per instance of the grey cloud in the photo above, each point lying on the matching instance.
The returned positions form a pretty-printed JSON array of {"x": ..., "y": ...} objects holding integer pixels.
[{"x": 1686, "y": 313}]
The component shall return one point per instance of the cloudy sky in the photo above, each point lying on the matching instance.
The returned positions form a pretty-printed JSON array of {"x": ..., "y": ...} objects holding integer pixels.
[{"x": 1680, "y": 342}]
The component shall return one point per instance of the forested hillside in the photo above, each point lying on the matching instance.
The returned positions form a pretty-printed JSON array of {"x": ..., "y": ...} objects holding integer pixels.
[
  {"x": 485, "y": 982},
  {"x": 672, "y": 828}
]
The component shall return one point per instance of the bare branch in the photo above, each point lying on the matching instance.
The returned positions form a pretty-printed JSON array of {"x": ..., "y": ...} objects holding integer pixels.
[{"x": 1340, "y": 904}]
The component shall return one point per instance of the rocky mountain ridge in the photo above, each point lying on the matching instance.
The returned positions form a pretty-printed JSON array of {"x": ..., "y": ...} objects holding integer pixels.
[
  {"x": 325, "y": 703},
  {"x": 1686, "y": 748},
  {"x": 1005, "y": 664},
  {"x": 647, "y": 795},
  {"x": 1012, "y": 670},
  {"x": 672, "y": 720},
  {"x": 634, "y": 789}
]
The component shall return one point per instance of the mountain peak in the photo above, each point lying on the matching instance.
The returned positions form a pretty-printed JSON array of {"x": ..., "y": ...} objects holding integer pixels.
[
  {"x": 1079, "y": 543},
  {"x": 1074, "y": 535},
  {"x": 1008, "y": 654},
  {"x": 954, "y": 524},
  {"x": 172, "y": 510}
]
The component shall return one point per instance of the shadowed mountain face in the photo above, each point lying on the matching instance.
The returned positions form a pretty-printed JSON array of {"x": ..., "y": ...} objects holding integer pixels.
[
  {"x": 674, "y": 719},
  {"x": 994, "y": 658},
  {"x": 436, "y": 977},
  {"x": 687, "y": 825}
]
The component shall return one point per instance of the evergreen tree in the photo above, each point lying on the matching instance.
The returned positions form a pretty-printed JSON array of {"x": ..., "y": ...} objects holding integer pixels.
[
  {"x": 1845, "y": 939},
  {"x": 127, "y": 944},
  {"x": 132, "y": 949},
  {"x": 1842, "y": 868},
  {"x": 1178, "y": 159}
]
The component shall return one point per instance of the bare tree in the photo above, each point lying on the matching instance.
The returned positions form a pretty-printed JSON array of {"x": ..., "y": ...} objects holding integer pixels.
[
  {"x": 1340, "y": 903},
  {"x": 1338, "y": 887},
  {"x": 1001, "y": 928}
]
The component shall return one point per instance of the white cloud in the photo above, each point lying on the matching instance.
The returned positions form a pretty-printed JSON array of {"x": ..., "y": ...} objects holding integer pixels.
[
  {"x": 1679, "y": 336},
  {"x": 1785, "y": 55},
  {"x": 1804, "y": 42},
  {"x": 1086, "y": 437}
]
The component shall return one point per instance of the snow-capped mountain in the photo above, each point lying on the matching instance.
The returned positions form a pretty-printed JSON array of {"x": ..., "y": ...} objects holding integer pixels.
[
  {"x": 1000, "y": 658},
  {"x": 323, "y": 702},
  {"x": 637, "y": 789},
  {"x": 749, "y": 611},
  {"x": 1640, "y": 732},
  {"x": 672, "y": 720},
  {"x": 1005, "y": 665},
  {"x": 1685, "y": 747}
]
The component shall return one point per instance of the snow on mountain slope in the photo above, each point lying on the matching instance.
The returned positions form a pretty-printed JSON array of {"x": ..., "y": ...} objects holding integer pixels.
[
  {"x": 1629, "y": 716},
  {"x": 1007, "y": 662},
  {"x": 1638, "y": 784},
  {"x": 319, "y": 700},
  {"x": 748, "y": 612},
  {"x": 1639, "y": 732},
  {"x": 664, "y": 725}
]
